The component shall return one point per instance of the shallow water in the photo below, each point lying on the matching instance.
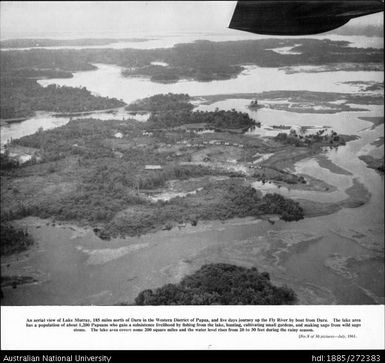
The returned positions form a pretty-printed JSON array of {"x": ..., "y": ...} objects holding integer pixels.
[
  {"x": 108, "y": 81},
  {"x": 48, "y": 120},
  {"x": 75, "y": 267},
  {"x": 124, "y": 267}
]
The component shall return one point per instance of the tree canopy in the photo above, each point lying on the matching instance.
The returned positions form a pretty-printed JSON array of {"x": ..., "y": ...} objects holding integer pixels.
[{"x": 220, "y": 284}]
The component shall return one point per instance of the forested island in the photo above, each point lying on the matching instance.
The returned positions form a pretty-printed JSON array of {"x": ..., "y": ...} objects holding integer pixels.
[
  {"x": 106, "y": 173},
  {"x": 173, "y": 110},
  {"x": 162, "y": 103},
  {"x": 103, "y": 180},
  {"x": 305, "y": 100},
  {"x": 317, "y": 102},
  {"x": 170, "y": 74},
  {"x": 180, "y": 169},
  {"x": 201, "y": 60},
  {"x": 22, "y": 96},
  {"x": 320, "y": 136},
  {"x": 218, "y": 120},
  {"x": 220, "y": 284}
]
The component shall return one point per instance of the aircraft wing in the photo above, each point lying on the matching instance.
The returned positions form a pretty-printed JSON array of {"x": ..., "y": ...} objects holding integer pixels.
[{"x": 278, "y": 17}]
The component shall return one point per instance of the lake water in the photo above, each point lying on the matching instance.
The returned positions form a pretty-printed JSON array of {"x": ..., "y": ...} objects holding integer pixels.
[
  {"x": 48, "y": 120},
  {"x": 108, "y": 81},
  {"x": 168, "y": 40},
  {"x": 76, "y": 267}
]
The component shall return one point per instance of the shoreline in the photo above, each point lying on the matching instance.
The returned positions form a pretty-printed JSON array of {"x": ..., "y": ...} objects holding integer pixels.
[
  {"x": 262, "y": 250},
  {"x": 285, "y": 158},
  {"x": 358, "y": 196},
  {"x": 326, "y": 163},
  {"x": 373, "y": 163},
  {"x": 300, "y": 96},
  {"x": 81, "y": 113},
  {"x": 5, "y": 122},
  {"x": 376, "y": 121}
]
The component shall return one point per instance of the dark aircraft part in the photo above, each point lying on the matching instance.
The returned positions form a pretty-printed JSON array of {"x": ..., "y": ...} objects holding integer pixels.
[{"x": 277, "y": 17}]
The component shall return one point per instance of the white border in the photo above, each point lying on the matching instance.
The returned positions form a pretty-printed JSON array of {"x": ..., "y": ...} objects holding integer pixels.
[{"x": 15, "y": 336}]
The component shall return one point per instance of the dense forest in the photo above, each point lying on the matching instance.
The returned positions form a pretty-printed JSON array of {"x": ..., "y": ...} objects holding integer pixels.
[
  {"x": 201, "y": 60},
  {"x": 170, "y": 74},
  {"x": 332, "y": 139},
  {"x": 220, "y": 284},
  {"x": 13, "y": 240},
  {"x": 20, "y": 97},
  {"x": 162, "y": 103},
  {"x": 218, "y": 201},
  {"x": 173, "y": 110},
  {"x": 107, "y": 188},
  {"x": 218, "y": 119},
  {"x": 35, "y": 73}
]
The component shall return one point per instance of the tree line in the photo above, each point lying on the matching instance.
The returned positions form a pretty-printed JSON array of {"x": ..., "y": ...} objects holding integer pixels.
[{"x": 220, "y": 284}]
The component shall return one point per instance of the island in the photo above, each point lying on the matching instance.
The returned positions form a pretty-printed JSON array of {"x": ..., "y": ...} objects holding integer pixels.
[
  {"x": 202, "y": 60},
  {"x": 22, "y": 96},
  {"x": 220, "y": 284},
  {"x": 112, "y": 174}
]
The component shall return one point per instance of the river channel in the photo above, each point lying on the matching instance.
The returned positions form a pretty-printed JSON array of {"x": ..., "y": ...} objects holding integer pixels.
[{"x": 332, "y": 259}]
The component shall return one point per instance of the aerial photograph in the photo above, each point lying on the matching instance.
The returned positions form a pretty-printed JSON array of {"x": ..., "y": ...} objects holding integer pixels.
[{"x": 192, "y": 153}]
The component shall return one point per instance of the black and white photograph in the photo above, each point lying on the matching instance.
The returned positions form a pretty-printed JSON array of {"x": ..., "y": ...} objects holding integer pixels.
[{"x": 192, "y": 153}]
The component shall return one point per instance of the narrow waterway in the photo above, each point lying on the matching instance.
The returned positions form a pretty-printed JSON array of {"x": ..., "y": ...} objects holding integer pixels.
[{"x": 330, "y": 259}]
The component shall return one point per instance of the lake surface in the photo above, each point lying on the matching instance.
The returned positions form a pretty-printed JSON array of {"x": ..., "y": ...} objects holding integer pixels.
[
  {"x": 108, "y": 81},
  {"x": 48, "y": 120},
  {"x": 330, "y": 259},
  {"x": 168, "y": 40}
]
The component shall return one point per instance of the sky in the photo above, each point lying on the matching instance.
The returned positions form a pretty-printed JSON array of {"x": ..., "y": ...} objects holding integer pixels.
[
  {"x": 31, "y": 18},
  {"x": 66, "y": 19}
]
